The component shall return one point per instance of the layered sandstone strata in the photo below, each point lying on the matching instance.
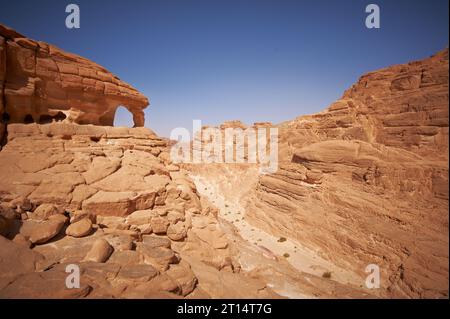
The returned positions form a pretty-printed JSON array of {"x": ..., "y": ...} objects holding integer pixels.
[
  {"x": 366, "y": 181},
  {"x": 403, "y": 106},
  {"x": 363, "y": 182},
  {"x": 40, "y": 83}
]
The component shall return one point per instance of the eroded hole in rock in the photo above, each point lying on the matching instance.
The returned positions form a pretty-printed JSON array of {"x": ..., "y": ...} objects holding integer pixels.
[
  {"x": 5, "y": 117},
  {"x": 66, "y": 137},
  {"x": 95, "y": 139},
  {"x": 46, "y": 119},
  {"x": 123, "y": 117},
  {"x": 28, "y": 119}
]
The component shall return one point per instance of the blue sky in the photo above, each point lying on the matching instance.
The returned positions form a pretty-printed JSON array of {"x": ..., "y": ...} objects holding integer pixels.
[{"x": 220, "y": 60}]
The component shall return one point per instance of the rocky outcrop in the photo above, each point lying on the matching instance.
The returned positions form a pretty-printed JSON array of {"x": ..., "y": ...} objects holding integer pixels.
[
  {"x": 40, "y": 83},
  {"x": 402, "y": 106},
  {"x": 110, "y": 201},
  {"x": 2, "y": 88},
  {"x": 366, "y": 181},
  {"x": 363, "y": 182}
]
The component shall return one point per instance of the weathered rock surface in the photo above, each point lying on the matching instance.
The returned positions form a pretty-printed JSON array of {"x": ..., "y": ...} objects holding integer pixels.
[
  {"x": 366, "y": 180},
  {"x": 124, "y": 206},
  {"x": 100, "y": 251},
  {"x": 2, "y": 87},
  {"x": 39, "y": 232},
  {"x": 116, "y": 186},
  {"x": 177, "y": 231},
  {"x": 363, "y": 182},
  {"x": 44, "y": 211},
  {"x": 80, "y": 228},
  {"x": 43, "y": 285},
  {"x": 16, "y": 260}
]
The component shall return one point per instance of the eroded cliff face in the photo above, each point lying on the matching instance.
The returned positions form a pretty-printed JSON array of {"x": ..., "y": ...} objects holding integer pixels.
[
  {"x": 2, "y": 87},
  {"x": 363, "y": 182},
  {"x": 41, "y": 83},
  {"x": 366, "y": 181},
  {"x": 403, "y": 106}
]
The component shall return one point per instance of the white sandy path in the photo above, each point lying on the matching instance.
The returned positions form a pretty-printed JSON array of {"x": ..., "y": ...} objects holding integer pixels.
[{"x": 300, "y": 258}]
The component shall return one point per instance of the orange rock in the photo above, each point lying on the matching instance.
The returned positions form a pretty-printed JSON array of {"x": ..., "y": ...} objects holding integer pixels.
[
  {"x": 43, "y": 83},
  {"x": 80, "y": 228},
  {"x": 39, "y": 232},
  {"x": 363, "y": 179},
  {"x": 100, "y": 251}
]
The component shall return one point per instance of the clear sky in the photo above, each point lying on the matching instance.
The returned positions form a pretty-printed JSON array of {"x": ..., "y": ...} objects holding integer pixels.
[{"x": 253, "y": 60}]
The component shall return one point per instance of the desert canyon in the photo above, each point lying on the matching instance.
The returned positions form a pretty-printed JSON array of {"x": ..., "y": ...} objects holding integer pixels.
[{"x": 363, "y": 182}]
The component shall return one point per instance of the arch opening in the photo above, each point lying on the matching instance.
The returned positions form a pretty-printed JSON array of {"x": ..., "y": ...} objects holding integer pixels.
[{"x": 123, "y": 117}]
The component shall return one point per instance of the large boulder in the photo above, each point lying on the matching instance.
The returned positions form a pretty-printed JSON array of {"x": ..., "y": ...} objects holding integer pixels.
[
  {"x": 100, "y": 251},
  {"x": 80, "y": 228},
  {"x": 15, "y": 259},
  {"x": 39, "y": 232}
]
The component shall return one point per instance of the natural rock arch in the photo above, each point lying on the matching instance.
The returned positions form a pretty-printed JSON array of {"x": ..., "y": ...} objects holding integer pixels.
[
  {"x": 42, "y": 83},
  {"x": 123, "y": 117},
  {"x": 108, "y": 118}
]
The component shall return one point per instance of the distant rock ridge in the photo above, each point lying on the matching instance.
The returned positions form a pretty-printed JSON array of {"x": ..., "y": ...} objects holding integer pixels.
[
  {"x": 40, "y": 83},
  {"x": 403, "y": 106}
]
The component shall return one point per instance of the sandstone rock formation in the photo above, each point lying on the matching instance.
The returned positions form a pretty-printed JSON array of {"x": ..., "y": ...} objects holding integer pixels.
[
  {"x": 365, "y": 181},
  {"x": 402, "y": 106},
  {"x": 40, "y": 83},
  {"x": 106, "y": 199},
  {"x": 103, "y": 198}
]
